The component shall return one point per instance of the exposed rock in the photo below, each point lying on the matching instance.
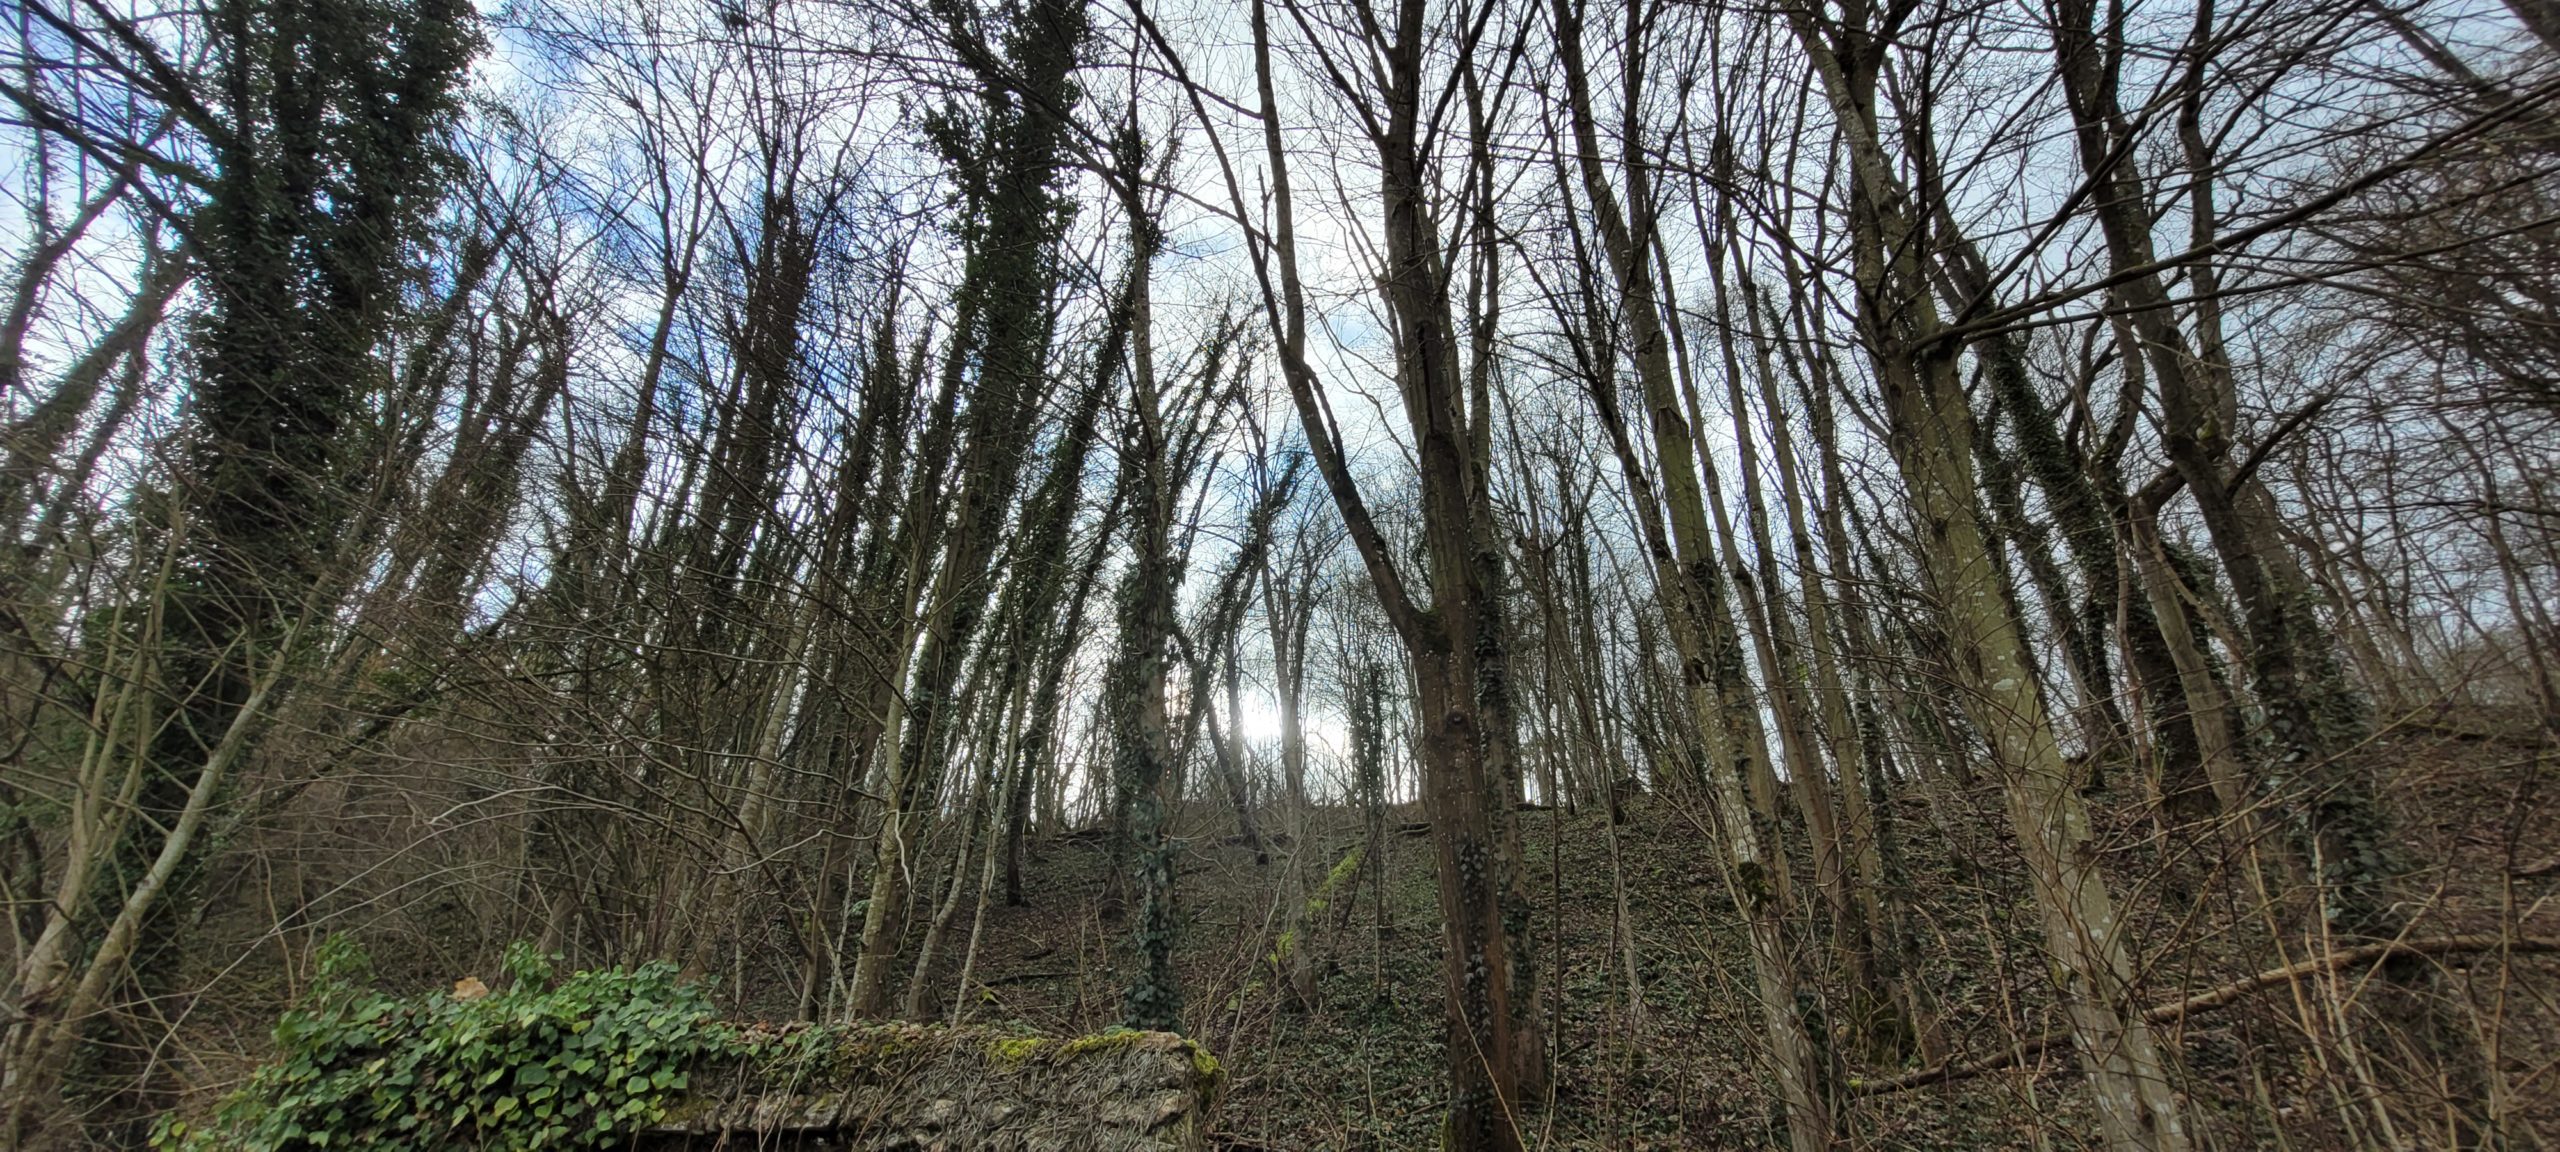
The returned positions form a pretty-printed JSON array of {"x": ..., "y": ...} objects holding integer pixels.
[{"x": 915, "y": 1087}]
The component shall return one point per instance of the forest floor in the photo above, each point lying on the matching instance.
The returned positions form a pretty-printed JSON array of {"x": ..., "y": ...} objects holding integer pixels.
[
  {"x": 1363, "y": 1069},
  {"x": 2474, "y": 815}
]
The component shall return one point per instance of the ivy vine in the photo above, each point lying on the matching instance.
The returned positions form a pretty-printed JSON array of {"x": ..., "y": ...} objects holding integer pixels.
[{"x": 538, "y": 1065}]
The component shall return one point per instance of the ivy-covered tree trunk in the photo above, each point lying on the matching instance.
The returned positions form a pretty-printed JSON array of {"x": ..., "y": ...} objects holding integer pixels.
[
  {"x": 1134, "y": 691},
  {"x": 325, "y": 121},
  {"x": 1005, "y": 155},
  {"x": 2090, "y": 519},
  {"x": 2311, "y": 715}
]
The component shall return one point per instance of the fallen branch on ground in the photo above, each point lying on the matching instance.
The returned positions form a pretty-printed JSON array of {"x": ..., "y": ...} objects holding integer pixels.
[{"x": 2215, "y": 998}]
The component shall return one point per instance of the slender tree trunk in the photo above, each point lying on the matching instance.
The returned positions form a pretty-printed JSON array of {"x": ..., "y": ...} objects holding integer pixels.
[
  {"x": 1142, "y": 733},
  {"x": 1932, "y": 438},
  {"x": 1010, "y": 268},
  {"x": 1497, "y": 1054},
  {"x": 2290, "y": 653},
  {"x": 1701, "y": 625}
]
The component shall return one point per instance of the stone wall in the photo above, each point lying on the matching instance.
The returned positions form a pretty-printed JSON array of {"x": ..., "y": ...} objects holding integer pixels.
[{"x": 916, "y": 1087}]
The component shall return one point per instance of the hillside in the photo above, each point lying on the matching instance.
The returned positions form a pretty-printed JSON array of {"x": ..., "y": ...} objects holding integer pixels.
[{"x": 1363, "y": 1069}]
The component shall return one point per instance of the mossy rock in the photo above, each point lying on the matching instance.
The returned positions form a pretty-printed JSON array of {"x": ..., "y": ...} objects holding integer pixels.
[{"x": 883, "y": 1086}]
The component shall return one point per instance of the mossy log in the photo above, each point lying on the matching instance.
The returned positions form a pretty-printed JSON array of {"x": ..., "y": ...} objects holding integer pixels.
[{"x": 862, "y": 1088}]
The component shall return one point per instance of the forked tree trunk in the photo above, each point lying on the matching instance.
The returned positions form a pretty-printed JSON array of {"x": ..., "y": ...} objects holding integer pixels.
[{"x": 1454, "y": 648}]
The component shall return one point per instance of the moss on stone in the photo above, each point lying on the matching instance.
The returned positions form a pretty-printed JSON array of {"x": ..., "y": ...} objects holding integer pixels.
[
  {"x": 1340, "y": 875},
  {"x": 1014, "y": 1050},
  {"x": 1205, "y": 1064},
  {"x": 1107, "y": 1040}
]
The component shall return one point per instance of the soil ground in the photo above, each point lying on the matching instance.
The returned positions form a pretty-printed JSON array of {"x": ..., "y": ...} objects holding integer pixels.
[{"x": 1362, "y": 1069}]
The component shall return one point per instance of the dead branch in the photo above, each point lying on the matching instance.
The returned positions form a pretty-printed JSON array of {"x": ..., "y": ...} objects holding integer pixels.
[{"x": 2216, "y": 998}]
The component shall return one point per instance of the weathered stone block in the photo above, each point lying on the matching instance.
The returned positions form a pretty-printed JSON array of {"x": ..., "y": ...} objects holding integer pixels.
[{"x": 877, "y": 1088}]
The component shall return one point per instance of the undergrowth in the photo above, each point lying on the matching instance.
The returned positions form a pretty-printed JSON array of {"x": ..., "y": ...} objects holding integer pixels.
[{"x": 539, "y": 1064}]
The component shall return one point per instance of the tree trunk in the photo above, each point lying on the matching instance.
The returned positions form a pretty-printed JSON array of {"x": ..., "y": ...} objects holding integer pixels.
[
  {"x": 1932, "y": 438},
  {"x": 1702, "y": 625}
]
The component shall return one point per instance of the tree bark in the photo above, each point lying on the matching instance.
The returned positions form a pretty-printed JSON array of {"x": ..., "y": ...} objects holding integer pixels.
[{"x": 1931, "y": 438}]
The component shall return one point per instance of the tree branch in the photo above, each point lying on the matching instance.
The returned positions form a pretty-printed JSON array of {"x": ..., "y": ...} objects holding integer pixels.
[{"x": 2216, "y": 998}]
